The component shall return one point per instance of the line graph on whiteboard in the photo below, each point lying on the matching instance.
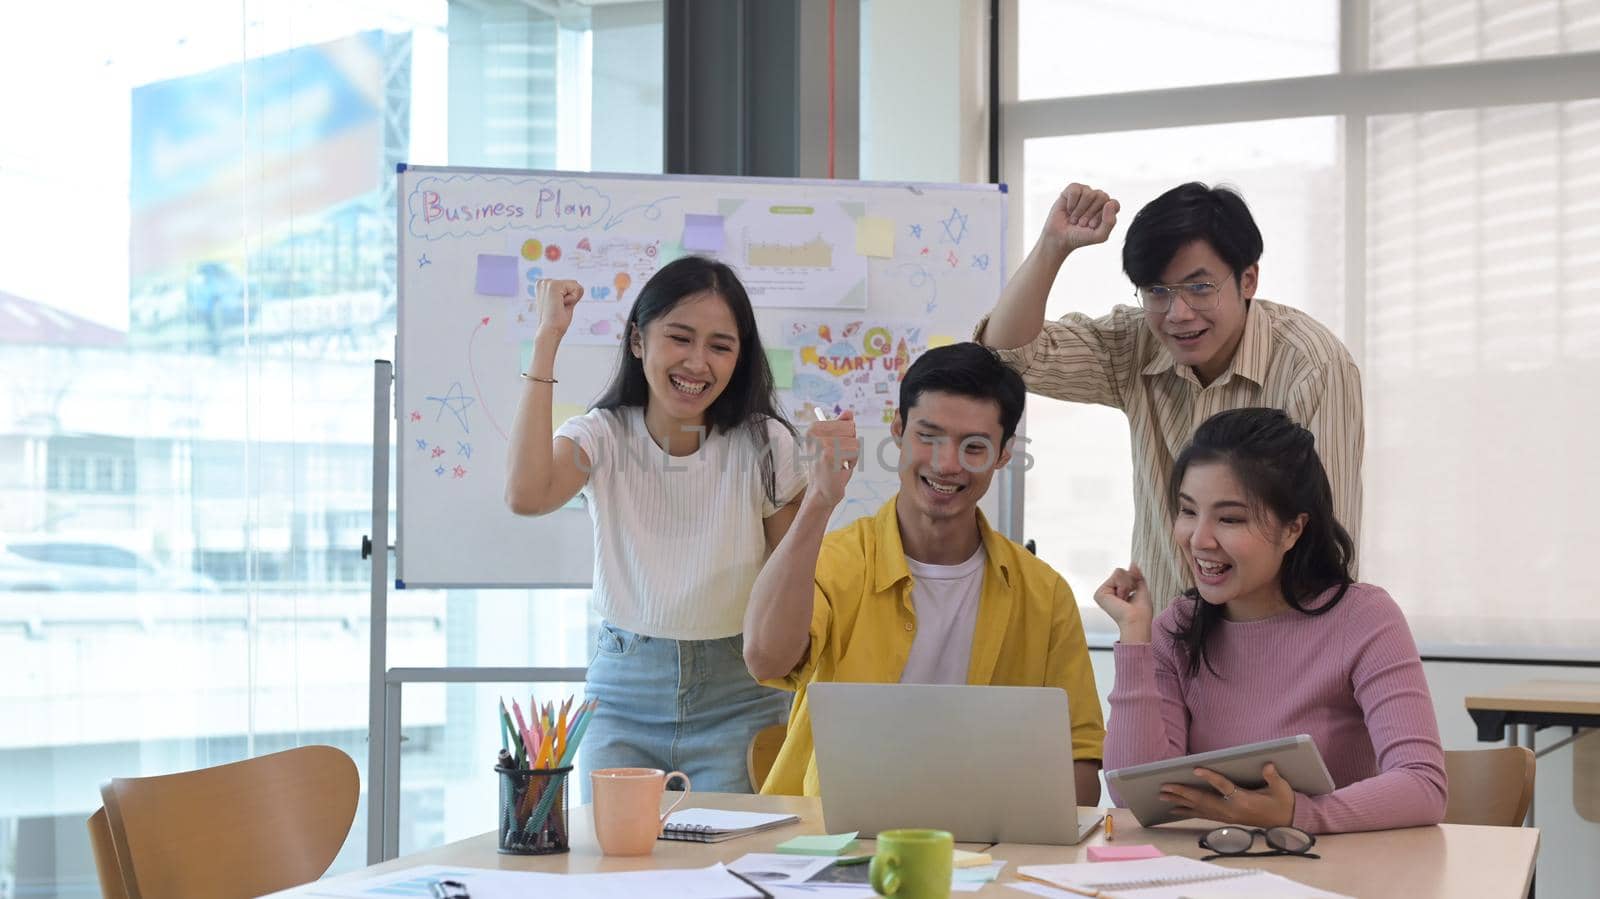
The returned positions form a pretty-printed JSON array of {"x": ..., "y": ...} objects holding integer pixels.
[{"x": 796, "y": 254}]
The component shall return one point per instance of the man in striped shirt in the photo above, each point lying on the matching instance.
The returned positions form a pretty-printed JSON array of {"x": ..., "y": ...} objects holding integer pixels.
[{"x": 1199, "y": 343}]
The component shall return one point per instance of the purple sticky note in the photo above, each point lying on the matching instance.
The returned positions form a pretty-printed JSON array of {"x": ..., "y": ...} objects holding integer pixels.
[
  {"x": 702, "y": 232},
  {"x": 497, "y": 275}
]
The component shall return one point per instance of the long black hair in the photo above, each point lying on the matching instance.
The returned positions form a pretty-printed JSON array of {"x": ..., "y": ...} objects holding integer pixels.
[
  {"x": 1276, "y": 462},
  {"x": 750, "y": 397}
]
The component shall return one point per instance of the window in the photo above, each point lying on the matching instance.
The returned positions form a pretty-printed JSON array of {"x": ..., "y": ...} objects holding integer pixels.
[
  {"x": 1080, "y": 508},
  {"x": 1074, "y": 48},
  {"x": 1439, "y": 32},
  {"x": 1483, "y": 330},
  {"x": 91, "y": 465},
  {"x": 1455, "y": 250},
  {"x": 188, "y": 361}
]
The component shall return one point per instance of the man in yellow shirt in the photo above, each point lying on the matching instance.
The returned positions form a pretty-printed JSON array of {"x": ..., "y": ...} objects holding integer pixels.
[{"x": 924, "y": 591}]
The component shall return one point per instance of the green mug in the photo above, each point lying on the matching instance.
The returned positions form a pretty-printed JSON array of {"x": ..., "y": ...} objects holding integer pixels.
[{"x": 913, "y": 864}]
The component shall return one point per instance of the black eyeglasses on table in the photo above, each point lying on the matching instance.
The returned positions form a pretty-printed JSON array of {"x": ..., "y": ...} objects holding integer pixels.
[{"x": 1234, "y": 842}]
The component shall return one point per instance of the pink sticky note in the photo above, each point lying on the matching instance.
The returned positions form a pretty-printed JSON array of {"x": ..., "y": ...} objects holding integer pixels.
[{"x": 1123, "y": 853}]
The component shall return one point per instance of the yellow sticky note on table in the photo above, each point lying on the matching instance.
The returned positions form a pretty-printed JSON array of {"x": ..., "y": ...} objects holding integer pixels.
[
  {"x": 782, "y": 364},
  {"x": 874, "y": 236},
  {"x": 939, "y": 340},
  {"x": 560, "y": 412},
  {"x": 965, "y": 859}
]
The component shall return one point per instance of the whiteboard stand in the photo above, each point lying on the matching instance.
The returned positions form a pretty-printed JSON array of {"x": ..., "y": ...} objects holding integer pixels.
[
  {"x": 388, "y": 808},
  {"x": 377, "y": 548},
  {"x": 385, "y": 685}
]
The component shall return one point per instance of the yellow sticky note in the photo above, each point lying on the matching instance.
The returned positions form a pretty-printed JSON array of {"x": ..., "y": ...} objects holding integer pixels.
[
  {"x": 939, "y": 340},
  {"x": 782, "y": 364},
  {"x": 965, "y": 859},
  {"x": 560, "y": 412},
  {"x": 874, "y": 236}
]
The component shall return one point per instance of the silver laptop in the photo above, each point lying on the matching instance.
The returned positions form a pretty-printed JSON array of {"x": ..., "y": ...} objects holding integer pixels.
[{"x": 988, "y": 764}]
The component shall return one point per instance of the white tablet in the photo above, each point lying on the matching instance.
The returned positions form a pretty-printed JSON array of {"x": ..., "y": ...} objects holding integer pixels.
[{"x": 1139, "y": 787}]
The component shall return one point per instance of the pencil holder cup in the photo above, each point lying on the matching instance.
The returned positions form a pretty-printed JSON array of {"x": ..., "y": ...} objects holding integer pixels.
[{"x": 533, "y": 810}]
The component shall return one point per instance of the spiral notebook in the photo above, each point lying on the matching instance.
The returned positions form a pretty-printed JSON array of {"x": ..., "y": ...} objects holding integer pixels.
[
  {"x": 1168, "y": 877},
  {"x": 706, "y": 825}
]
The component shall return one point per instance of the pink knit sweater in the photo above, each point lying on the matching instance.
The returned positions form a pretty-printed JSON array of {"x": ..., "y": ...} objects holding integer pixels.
[{"x": 1350, "y": 678}]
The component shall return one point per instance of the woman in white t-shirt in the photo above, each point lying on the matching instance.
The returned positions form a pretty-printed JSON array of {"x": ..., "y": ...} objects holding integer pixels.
[{"x": 691, "y": 477}]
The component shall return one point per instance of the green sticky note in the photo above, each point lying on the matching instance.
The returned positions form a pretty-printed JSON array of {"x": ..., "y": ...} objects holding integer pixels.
[
  {"x": 827, "y": 844},
  {"x": 525, "y": 355},
  {"x": 782, "y": 364},
  {"x": 874, "y": 237},
  {"x": 669, "y": 251}
]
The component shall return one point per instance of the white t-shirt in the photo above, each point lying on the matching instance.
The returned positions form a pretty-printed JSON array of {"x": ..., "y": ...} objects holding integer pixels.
[
  {"x": 678, "y": 539},
  {"x": 945, "y": 598}
]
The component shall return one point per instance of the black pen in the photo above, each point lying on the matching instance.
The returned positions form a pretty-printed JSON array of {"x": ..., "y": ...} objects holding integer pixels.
[{"x": 751, "y": 884}]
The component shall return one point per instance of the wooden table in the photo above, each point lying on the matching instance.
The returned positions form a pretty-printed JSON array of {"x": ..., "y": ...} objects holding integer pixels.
[
  {"x": 1450, "y": 860},
  {"x": 1444, "y": 861},
  {"x": 1533, "y": 706}
]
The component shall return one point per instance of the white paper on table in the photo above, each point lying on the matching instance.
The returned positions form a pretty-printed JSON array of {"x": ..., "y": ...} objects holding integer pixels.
[
  {"x": 963, "y": 880},
  {"x": 820, "y": 891},
  {"x": 409, "y": 882},
  {"x": 1039, "y": 889},
  {"x": 770, "y": 868},
  {"x": 1261, "y": 883},
  {"x": 693, "y": 883},
  {"x": 1264, "y": 883}
]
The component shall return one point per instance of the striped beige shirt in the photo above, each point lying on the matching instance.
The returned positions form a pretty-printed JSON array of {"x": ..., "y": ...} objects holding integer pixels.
[{"x": 1286, "y": 359}]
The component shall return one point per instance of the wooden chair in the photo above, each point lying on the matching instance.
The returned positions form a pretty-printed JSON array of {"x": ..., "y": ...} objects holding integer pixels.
[
  {"x": 105, "y": 856},
  {"x": 763, "y": 752},
  {"x": 1489, "y": 786},
  {"x": 1586, "y": 776},
  {"x": 243, "y": 829}
]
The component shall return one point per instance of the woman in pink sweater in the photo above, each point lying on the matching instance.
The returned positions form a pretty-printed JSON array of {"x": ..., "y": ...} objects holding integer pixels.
[{"x": 1275, "y": 640}]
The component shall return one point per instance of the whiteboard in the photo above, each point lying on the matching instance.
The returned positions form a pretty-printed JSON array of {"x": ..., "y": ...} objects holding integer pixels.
[{"x": 851, "y": 281}]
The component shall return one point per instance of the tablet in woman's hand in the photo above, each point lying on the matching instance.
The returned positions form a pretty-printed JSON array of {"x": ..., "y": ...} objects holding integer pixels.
[{"x": 1139, "y": 786}]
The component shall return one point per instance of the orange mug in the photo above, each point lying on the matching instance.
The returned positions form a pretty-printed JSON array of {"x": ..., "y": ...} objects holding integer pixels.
[{"x": 627, "y": 803}]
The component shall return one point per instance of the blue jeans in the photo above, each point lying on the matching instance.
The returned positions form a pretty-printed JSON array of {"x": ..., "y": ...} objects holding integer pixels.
[{"x": 677, "y": 705}]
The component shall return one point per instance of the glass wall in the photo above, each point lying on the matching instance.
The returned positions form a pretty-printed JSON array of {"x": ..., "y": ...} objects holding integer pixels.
[
  {"x": 1453, "y": 247},
  {"x": 1074, "y": 48},
  {"x": 196, "y": 271},
  {"x": 1079, "y": 495}
]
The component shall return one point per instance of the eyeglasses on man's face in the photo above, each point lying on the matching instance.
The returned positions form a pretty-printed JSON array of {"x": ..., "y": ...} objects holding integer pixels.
[
  {"x": 1232, "y": 842},
  {"x": 1201, "y": 296}
]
